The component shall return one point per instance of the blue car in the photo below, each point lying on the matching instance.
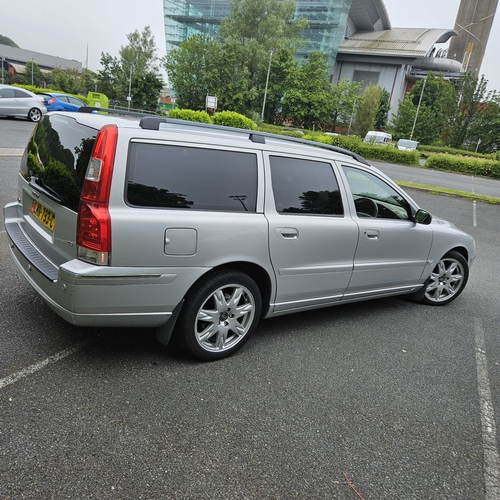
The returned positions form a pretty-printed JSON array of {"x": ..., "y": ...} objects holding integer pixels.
[{"x": 61, "y": 102}]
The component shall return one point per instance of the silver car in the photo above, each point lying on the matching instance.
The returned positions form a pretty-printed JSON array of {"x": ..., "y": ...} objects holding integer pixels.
[
  {"x": 20, "y": 103},
  {"x": 200, "y": 231}
]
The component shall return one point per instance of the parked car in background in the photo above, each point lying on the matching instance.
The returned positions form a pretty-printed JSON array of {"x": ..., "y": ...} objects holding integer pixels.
[
  {"x": 379, "y": 138},
  {"x": 407, "y": 145},
  {"x": 61, "y": 102},
  {"x": 20, "y": 103}
]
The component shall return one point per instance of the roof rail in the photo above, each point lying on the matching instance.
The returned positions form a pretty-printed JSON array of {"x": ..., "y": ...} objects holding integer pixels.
[{"x": 153, "y": 122}]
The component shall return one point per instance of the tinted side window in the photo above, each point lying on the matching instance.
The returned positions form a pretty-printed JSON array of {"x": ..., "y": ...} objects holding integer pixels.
[
  {"x": 7, "y": 92},
  {"x": 21, "y": 93},
  {"x": 305, "y": 187},
  {"x": 191, "y": 178}
]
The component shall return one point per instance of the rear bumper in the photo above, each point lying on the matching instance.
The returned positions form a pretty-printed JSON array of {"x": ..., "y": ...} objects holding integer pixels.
[{"x": 88, "y": 295}]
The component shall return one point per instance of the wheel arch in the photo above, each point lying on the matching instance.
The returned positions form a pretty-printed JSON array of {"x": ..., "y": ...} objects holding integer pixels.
[
  {"x": 254, "y": 271},
  {"x": 461, "y": 250}
]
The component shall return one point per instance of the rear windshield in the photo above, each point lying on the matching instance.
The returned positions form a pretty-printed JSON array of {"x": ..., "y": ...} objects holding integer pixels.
[{"x": 56, "y": 158}]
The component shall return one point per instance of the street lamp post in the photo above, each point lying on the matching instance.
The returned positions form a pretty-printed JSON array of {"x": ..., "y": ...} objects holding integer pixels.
[
  {"x": 267, "y": 83},
  {"x": 129, "y": 98},
  {"x": 418, "y": 109},
  {"x": 32, "y": 71}
]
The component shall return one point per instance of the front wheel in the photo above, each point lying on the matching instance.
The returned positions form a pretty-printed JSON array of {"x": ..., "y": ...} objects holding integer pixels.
[
  {"x": 34, "y": 115},
  {"x": 219, "y": 315},
  {"x": 447, "y": 281}
]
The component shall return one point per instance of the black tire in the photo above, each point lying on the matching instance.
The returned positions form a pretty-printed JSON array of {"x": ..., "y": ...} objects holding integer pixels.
[
  {"x": 219, "y": 315},
  {"x": 34, "y": 115},
  {"x": 447, "y": 281}
]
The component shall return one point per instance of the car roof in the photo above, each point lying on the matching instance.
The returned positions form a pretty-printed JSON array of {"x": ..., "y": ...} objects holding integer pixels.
[{"x": 148, "y": 125}]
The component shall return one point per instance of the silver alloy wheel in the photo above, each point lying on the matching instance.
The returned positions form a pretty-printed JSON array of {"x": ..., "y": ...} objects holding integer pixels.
[
  {"x": 225, "y": 318},
  {"x": 34, "y": 115},
  {"x": 445, "y": 281}
]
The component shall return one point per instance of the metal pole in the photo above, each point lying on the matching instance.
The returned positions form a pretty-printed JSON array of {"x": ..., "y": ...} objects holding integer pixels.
[
  {"x": 3, "y": 61},
  {"x": 418, "y": 109},
  {"x": 129, "y": 98},
  {"x": 352, "y": 116},
  {"x": 267, "y": 83},
  {"x": 32, "y": 71}
]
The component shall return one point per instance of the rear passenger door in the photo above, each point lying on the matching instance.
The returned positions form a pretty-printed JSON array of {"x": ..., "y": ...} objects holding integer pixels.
[{"x": 312, "y": 241}]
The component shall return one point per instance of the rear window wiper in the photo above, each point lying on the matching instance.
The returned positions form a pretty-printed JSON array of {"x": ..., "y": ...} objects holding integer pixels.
[{"x": 39, "y": 185}]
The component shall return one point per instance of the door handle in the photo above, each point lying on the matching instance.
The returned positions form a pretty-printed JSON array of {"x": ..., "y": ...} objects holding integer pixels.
[
  {"x": 371, "y": 234},
  {"x": 289, "y": 233}
]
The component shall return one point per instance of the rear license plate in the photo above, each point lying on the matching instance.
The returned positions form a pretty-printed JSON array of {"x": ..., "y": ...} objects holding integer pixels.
[{"x": 44, "y": 215}]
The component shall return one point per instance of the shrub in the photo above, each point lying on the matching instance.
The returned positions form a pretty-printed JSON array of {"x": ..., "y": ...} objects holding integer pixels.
[
  {"x": 190, "y": 115},
  {"x": 474, "y": 166},
  {"x": 356, "y": 145},
  {"x": 461, "y": 152},
  {"x": 233, "y": 119}
]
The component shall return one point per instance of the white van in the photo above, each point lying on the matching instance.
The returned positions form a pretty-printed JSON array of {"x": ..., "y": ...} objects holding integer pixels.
[{"x": 379, "y": 138}]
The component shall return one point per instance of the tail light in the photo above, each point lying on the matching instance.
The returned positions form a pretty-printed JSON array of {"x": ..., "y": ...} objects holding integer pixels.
[
  {"x": 93, "y": 237},
  {"x": 52, "y": 100}
]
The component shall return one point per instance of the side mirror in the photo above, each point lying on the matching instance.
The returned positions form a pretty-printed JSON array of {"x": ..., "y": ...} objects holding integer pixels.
[{"x": 423, "y": 217}]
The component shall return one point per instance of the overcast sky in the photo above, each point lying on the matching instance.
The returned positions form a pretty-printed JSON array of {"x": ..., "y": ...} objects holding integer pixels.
[{"x": 65, "y": 27}]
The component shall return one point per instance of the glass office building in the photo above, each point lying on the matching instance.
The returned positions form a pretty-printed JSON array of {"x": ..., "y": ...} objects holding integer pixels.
[{"x": 327, "y": 21}]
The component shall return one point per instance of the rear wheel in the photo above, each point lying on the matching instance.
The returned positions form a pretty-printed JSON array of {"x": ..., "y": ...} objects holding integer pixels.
[
  {"x": 219, "y": 315},
  {"x": 34, "y": 115},
  {"x": 447, "y": 281}
]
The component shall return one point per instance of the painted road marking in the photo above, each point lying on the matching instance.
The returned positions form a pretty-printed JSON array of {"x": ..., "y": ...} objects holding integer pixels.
[
  {"x": 488, "y": 425},
  {"x": 4, "y": 382}
]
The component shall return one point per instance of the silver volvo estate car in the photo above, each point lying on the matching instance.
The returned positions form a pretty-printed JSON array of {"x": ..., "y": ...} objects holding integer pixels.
[{"x": 200, "y": 231}]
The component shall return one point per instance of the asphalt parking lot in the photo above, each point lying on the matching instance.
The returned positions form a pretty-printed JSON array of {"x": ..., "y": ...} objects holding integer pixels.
[{"x": 402, "y": 398}]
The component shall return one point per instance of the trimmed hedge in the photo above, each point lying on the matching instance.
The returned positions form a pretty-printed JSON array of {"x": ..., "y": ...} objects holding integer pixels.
[
  {"x": 389, "y": 153},
  {"x": 453, "y": 151},
  {"x": 190, "y": 115},
  {"x": 473, "y": 166},
  {"x": 233, "y": 119}
]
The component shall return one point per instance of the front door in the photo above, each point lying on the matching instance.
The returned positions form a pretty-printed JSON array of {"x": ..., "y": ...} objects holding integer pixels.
[{"x": 392, "y": 250}]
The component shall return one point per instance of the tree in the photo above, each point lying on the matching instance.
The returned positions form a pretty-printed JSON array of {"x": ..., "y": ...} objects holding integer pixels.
[
  {"x": 308, "y": 100},
  {"x": 146, "y": 90},
  {"x": 137, "y": 60},
  {"x": 471, "y": 94},
  {"x": 140, "y": 52},
  {"x": 366, "y": 110},
  {"x": 344, "y": 96},
  {"x": 33, "y": 75},
  {"x": 383, "y": 110},
  {"x": 109, "y": 78},
  {"x": 436, "y": 102},
  {"x": 194, "y": 70},
  {"x": 252, "y": 30}
]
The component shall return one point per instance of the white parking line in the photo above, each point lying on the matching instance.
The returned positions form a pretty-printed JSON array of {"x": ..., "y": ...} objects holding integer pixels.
[
  {"x": 474, "y": 213},
  {"x": 488, "y": 425},
  {"x": 4, "y": 382}
]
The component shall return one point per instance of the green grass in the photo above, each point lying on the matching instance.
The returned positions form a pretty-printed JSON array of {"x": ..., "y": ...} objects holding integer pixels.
[{"x": 451, "y": 192}]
